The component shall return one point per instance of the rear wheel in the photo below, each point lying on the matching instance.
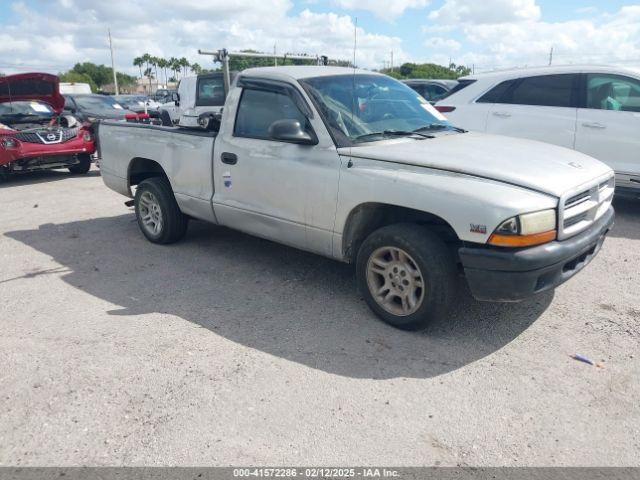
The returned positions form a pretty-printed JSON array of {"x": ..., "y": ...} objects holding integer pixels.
[
  {"x": 83, "y": 165},
  {"x": 406, "y": 275},
  {"x": 157, "y": 212}
]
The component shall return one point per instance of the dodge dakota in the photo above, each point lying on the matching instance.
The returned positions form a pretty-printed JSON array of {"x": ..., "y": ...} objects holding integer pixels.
[{"x": 358, "y": 167}]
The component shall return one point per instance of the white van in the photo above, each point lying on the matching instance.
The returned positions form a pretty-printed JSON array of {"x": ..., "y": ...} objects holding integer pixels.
[{"x": 74, "y": 87}]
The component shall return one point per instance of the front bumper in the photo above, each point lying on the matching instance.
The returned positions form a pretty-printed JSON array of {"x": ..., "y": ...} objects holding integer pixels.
[{"x": 501, "y": 275}]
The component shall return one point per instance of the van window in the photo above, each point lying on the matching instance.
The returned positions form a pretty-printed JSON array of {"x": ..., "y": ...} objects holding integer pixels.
[
  {"x": 258, "y": 109},
  {"x": 613, "y": 92},
  {"x": 210, "y": 91}
]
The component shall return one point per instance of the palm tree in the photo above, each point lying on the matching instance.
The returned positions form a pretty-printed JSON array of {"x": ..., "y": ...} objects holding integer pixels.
[
  {"x": 184, "y": 63},
  {"x": 195, "y": 68},
  {"x": 137, "y": 62},
  {"x": 162, "y": 63},
  {"x": 146, "y": 58},
  {"x": 174, "y": 65},
  {"x": 154, "y": 62},
  {"x": 149, "y": 74}
]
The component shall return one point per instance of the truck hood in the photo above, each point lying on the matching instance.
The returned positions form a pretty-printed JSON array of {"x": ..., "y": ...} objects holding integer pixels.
[
  {"x": 526, "y": 163},
  {"x": 32, "y": 86}
]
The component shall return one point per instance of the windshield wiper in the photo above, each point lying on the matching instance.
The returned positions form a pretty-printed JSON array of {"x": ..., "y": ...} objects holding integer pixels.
[
  {"x": 392, "y": 133},
  {"x": 439, "y": 126}
]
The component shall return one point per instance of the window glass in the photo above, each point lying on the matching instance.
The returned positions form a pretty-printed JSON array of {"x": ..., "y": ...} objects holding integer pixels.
[
  {"x": 258, "y": 109},
  {"x": 361, "y": 108},
  {"x": 544, "y": 90},
  {"x": 434, "y": 92},
  {"x": 497, "y": 93},
  {"x": 613, "y": 92},
  {"x": 210, "y": 91}
]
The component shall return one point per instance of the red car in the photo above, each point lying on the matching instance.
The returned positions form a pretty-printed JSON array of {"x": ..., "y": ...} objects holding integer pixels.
[{"x": 33, "y": 133}]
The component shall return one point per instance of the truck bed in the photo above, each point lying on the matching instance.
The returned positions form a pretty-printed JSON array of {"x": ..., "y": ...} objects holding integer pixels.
[{"x": 184, "y": 154}]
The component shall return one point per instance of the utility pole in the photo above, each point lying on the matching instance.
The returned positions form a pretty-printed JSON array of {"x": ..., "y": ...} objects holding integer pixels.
[
  {"x": 551, "y": 56},
  {"x": 113, "y": 67}
]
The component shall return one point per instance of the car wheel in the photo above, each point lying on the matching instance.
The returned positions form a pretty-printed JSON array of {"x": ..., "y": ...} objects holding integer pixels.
[
  {"x": 157, "y": 212},
  {"x": 407, "y": 275},
  {"x": 83, "y": 165}
]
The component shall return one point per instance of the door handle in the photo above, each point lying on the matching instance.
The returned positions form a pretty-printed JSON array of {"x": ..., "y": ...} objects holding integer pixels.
[
  {"x": 229, "y": 158},
  {"x": 502, "y": 114},
  {"x": 597, "y": 125}
]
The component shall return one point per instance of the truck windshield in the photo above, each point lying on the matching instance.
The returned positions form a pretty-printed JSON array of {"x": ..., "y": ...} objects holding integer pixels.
[{"x": 364, "y": 108}]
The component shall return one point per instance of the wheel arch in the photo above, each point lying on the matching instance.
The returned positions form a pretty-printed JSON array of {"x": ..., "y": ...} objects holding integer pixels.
[
  {"x": 368, "y": 217},
  {"x": 141, "y": 168}
]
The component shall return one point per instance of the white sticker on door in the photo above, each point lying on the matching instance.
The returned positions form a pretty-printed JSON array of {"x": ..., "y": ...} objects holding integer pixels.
[{"x": 226, "y": 179}]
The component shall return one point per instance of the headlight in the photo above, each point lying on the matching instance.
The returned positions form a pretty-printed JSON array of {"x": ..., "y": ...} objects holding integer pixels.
[
  {"x": 525, "y": 230},
  {"x": 9, "y": 143},
  {"x": 86, "y": 136}
]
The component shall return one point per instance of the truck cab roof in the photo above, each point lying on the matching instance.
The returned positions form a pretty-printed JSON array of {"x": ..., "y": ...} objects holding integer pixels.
[{"x": 297, "y": 72}]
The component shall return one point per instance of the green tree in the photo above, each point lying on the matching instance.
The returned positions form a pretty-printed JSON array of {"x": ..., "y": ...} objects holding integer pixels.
[
  {"x": 163, "y": 64},
  {"x": 427, "y": 70},
  {"x": 195, "y": 68}
]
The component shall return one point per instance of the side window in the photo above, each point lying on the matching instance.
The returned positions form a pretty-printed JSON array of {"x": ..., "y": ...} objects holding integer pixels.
[
  {"x": 497, "y": 93},
  {"x": 613, "y": 92},
  {"x": 210, "y": 91},
  {"x": 258, "y": 109},
  {"x": 435, "y": 92},
  {"x": 544, "y": 90}
]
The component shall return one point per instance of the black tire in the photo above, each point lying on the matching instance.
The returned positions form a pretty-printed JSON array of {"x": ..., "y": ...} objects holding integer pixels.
[
  {"x": 83, "y": 166},
  {"x": 434, "y": 261},
  {"x": 165, "y": 119},
  {"x": 174, "y": 222}
]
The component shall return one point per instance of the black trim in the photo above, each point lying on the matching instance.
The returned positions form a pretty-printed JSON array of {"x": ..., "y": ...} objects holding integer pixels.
[
  {"x": 180, "y": 130},
  {"x": 507, "y": 275}
]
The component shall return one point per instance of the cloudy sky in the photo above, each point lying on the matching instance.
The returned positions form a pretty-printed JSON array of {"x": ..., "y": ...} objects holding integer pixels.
[{"x": 51, "y": 35}]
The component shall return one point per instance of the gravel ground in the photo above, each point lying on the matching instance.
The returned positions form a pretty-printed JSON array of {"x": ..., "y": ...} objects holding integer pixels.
[{"x": 227, "y": 350}]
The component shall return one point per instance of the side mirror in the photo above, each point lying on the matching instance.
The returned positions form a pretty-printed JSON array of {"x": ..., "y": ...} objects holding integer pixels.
[
  {"x": 175, "y": 98},
  {"x": 290, "y": 130}
]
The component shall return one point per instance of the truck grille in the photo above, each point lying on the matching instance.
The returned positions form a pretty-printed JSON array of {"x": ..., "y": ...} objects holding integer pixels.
[
  {"x": 579, "y": 209},
  {"x": 47, "y": 137}
]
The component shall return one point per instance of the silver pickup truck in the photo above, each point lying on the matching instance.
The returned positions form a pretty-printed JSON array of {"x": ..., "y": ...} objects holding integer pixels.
[{"x": 356, "y": 166}]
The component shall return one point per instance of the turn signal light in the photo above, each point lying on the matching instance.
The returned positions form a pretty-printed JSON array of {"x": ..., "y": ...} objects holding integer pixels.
[
  {"x": 444, "y": 109},
  {"x": 521, "y": 240}
]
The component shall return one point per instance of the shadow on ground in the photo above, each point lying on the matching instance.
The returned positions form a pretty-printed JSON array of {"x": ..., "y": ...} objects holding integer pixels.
[
  {"x": 44, "y": 176},
  {"x": 287, "y": 303},
  {"x": 627, "y": 218}
]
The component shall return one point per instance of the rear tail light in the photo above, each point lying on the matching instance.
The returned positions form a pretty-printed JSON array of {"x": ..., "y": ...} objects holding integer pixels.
[{"x": 444, "y": 109}]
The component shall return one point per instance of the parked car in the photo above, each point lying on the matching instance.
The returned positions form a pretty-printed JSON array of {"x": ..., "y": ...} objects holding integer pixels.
[
  {"x": 431, "y": 90},
  {"x": 196, "y": 95},
  {"x": 594, "y": 110},
  {"x": 139, "y": 104},
  {"x": 408, "y": 198},
  {"x": 96, "y": 107},
  {"x": 33, "y": 133}
]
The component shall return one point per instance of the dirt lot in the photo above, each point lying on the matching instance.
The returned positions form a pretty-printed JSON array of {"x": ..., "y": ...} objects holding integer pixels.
[{"x": 226, "y": 349}]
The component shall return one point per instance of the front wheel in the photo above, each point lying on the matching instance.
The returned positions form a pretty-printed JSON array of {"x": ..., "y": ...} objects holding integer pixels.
[
  {"x": 83, "y": 165},
  {"x": 157, "y": 211},
  {"x": 407, "y": 275}
]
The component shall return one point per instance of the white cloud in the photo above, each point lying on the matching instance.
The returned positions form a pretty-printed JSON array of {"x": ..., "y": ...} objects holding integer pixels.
[
  {"x": 55, "y": 36},
  {"x": 486, "y": 11},
  {"x": 385, "y": 9},
  {"x": 605, "y": 39}
]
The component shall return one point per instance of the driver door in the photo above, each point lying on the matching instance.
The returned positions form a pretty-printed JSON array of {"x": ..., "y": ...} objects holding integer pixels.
[{"x": 275, "y": 189}]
